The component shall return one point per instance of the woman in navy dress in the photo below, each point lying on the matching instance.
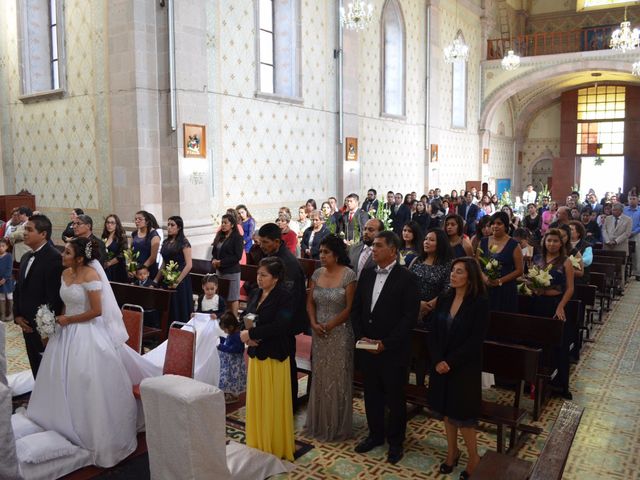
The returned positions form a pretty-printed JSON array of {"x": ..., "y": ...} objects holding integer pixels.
[
  {"x": 550, "y": 301},
  {"x": 248, "y": 226},
  {"x": 146, "y": 242},
  {"x": 177, "y": 248},
  {"x": 115, "y": 241},
  {"x": 503, "y": 291},
  {"x": 453, "y": 227}
]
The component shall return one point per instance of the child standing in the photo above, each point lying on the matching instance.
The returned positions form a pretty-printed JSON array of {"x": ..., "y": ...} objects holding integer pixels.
[
  {"x": 6, "y": 282},
  {"x": 233, "y": 373},
  {"x": 142, "y": 276},
  {"x": 210, "y": 302}
]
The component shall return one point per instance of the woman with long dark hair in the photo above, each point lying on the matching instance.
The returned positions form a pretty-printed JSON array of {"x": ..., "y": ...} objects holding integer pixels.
[
  {"x": 248, "y": 226},
  {"x": 432, "y": 269},
  {"x": 176, "y": 248},
  {"x": 411, "y": 243},
  {"x": 421, "y": 216},
  {"x": 226, "y": 252},
  {"x": 331, "y": 291},
  {"x": 270, "y": 337},
  {"x": 458, "y": 329},
  {"x": 454, "y": 228},
  {"x": 115, "y": 242},
  {"x": 146, "y": 241}
]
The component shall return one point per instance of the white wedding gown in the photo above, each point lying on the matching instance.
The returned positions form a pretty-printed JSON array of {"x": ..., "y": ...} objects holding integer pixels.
[{"x": 83, "y": 390}]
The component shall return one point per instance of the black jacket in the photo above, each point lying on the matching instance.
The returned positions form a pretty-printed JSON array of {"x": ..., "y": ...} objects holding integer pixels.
[
  {"x": 41, "y": 286},
  {"x": 295, "y": 281},
  {"x": 393, "y": 317},
  {"x": 458, "y": 393},
  {"x": 273, "y": 325},
  {"x": 229, "y": 254},
  {"x": 400, "y": 218},
  {"x": 315, "y": 244}
]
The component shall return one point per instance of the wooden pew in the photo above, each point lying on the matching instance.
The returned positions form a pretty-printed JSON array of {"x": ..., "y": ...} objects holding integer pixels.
[
  {"x": 587, "y": 295},
  {"x": 149, "y": 299},
  {"x": 308, "y": 266},
  {"x": 552, "y": 460},
  {"x": 611, "y": 286},
  {"x": 620, "y": 268},
  {"x": 202, "y": 266},
  {"x": 196, "y": 284},
  {"x": 542, "y": 332},
  {"x": 603, "y": 256},
  {"x": 599, "y": 280}
]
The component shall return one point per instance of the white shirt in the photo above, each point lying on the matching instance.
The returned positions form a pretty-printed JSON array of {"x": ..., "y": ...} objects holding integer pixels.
[
  {"x": 381, "y": 279},
  {"x": 32, "y": 259},
  {"x": 529, "y": 197},
  {"x": 209, "y": 304}
]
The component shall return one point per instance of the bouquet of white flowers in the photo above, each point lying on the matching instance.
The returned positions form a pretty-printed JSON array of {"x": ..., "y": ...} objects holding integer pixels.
[
  {"x": 131, "y": 259},
  {"x": 490, "y": 264},
  {"x": 45, "y": 321},
  {"x": 539, "y": 277},
  {"x": 171, "y": 273},
  {"x": 575, "y": 263}
]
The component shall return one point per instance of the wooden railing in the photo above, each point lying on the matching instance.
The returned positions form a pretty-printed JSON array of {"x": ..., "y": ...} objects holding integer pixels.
[{"x": 548, "y": 43}]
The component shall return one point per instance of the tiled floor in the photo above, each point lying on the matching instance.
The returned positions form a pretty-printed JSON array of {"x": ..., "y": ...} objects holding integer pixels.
[{"x": 606, "y": 382}]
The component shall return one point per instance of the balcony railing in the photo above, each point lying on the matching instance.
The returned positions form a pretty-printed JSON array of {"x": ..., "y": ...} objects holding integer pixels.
[{"x": 548, "y": 43}]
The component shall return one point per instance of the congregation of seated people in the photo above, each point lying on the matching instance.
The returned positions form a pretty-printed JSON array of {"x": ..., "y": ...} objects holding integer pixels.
[{"x": 384, "y": 266}]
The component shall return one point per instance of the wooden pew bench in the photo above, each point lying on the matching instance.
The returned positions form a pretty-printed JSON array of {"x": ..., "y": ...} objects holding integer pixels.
[
  {"x": 552, "y": 460},
  {"x": 611, "y": 284},
  {"x": 149, "y": 299},
  {"x": 599, "y": 280}
]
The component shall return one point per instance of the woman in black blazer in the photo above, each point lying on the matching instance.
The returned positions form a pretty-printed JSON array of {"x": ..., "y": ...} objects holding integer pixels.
[
  {"x": 269, "y": 334},
  {"x": 459, "y": 326},
  {"x": 310, "y": 245},
  {"x": 226, "y": 252}
]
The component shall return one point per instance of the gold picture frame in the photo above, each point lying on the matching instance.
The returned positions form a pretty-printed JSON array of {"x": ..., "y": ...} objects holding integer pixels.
[
  {"x": 195, "y": 140},
  {"x": 351, "y": 148},
  {"x": 434, "y": 153}
]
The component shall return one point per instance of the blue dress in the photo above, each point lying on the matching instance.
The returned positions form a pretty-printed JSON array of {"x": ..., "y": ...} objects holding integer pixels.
[
  {"x": 117, "y": 272},
  {"x": 458, "y": 251},
  {"x": 182, "y": 300},
  {"x": 143, "y": 246},
  {"x": 6, "y": 266},
  {"x": 233, "y": 372},
  {"x": 504, "y": 298},
  {"x": 248, "y": 227}
]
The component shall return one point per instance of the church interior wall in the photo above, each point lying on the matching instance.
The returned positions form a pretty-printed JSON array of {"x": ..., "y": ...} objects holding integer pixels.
[{"x": 542, "y": 141}]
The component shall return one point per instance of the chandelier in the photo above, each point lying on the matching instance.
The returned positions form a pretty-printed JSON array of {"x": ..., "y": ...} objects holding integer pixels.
[
  {"x": 457, "y": 51},
  {"x": 624, "y": 38},
  {"x": 510, "y": 61},
  {"x": 357, "y": 16},
  {"x": 635, "y": 69}
]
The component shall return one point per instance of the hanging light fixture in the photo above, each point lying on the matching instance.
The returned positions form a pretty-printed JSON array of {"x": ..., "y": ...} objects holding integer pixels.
[
  {"x": 635, "y": 69},
  {"x": 357, "y": 16},
  {"x": 510, "y": 61},
  {"x": 624, "y": 38},
  {"x": 456, "y": 51}
]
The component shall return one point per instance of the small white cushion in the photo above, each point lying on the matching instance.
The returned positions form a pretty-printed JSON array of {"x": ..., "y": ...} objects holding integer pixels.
[
  {"x": 23, "y": 426},
  {"x": 43, "y": 446}
]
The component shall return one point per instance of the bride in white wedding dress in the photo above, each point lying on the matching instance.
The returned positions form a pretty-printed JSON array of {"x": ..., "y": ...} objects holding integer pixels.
[{"x": 83, "y": 390}]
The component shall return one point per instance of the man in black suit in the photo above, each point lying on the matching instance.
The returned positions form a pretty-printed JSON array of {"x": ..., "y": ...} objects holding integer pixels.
[
  {"x": 272, "y": 245},
  {"x": 385, "y": 308},
  {"x": 38, "y": 284},
  {"x": 371, "y": 202},
  {"x": 353, "y": 219},
  {"x": 360, "y": 254},
  {"x": 469, "y": 213},
  {"x": 400, "y": 215}
]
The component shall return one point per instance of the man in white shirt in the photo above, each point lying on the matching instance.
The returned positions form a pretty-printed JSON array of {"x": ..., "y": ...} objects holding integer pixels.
[{"x": 529, "y": 195}]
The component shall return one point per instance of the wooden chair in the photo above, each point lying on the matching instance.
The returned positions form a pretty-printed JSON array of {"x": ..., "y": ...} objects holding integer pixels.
[
  {"x": 180, "y": 357},
  {"x": 133, "y": 318}
]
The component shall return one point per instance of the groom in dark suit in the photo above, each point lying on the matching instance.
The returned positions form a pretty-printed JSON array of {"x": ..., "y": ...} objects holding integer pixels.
[
  {"x": 385, "y": 308},
  {"x": 38, "y": 284}
]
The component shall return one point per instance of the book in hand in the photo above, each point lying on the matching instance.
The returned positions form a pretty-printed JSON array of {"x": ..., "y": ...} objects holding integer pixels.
[{"x": 366, "y": 345}]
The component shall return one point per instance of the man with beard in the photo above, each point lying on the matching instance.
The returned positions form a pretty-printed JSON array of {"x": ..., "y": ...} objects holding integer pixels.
[{"x": 360, "y": 253}]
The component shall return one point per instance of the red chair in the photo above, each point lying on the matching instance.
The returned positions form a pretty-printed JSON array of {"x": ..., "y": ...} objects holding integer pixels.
[
  {"x": 180, "y": 357},
  {"x": 133, "y": 318}
]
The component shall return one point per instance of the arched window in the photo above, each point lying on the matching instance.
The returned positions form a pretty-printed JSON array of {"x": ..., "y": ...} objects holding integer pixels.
[
  {"x": 459, "y": 91},
  {"x": 279, "y": 47},
  {"x": 393, "y": 58}
]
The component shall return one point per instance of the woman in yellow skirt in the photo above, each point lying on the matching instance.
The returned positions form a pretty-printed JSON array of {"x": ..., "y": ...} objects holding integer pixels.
[{"x": 269, "y": 417}]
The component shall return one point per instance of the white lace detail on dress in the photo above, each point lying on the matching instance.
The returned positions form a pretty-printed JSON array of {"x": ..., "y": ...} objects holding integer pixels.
[{"x": 92, "y": 286}]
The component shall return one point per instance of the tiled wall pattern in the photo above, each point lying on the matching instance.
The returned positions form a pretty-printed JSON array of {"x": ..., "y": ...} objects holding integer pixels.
[{"x": 59, "y": 148}]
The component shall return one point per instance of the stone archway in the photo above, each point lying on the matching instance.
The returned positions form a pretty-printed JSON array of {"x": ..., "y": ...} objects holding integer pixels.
[{"x": 539, "y": 174}]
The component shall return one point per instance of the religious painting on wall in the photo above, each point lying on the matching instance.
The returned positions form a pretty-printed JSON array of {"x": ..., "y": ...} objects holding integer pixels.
[
  {"x": 485, "y": 156},
  {"x": 351, "y": 148},
  {"x": 195, "y": 140},
  {"x": 434, "y": 153}
]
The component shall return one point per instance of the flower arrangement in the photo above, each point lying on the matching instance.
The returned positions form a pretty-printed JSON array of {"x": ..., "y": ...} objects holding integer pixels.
[
  {"x": 537, "y": 278},
  {"x": 575, "y": 262},
  {"x": 383, "y": 214},
  {"x": 131, "y": 259},
  {"x": 490, "y": 264},
  {"x": 110, "y": 254},
  {"x": 171, "y": 273},
  {"x": 45, "y": 321}
]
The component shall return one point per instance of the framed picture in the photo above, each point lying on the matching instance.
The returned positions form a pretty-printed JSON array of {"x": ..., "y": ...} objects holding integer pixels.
[
  {"x": 520, "y": 157},
  {"x": 351, "y": 146},
  {"x": 195, "y": 140},
  {"x": 485, "y": 156},
  {"x": 434, "y": 153}
]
